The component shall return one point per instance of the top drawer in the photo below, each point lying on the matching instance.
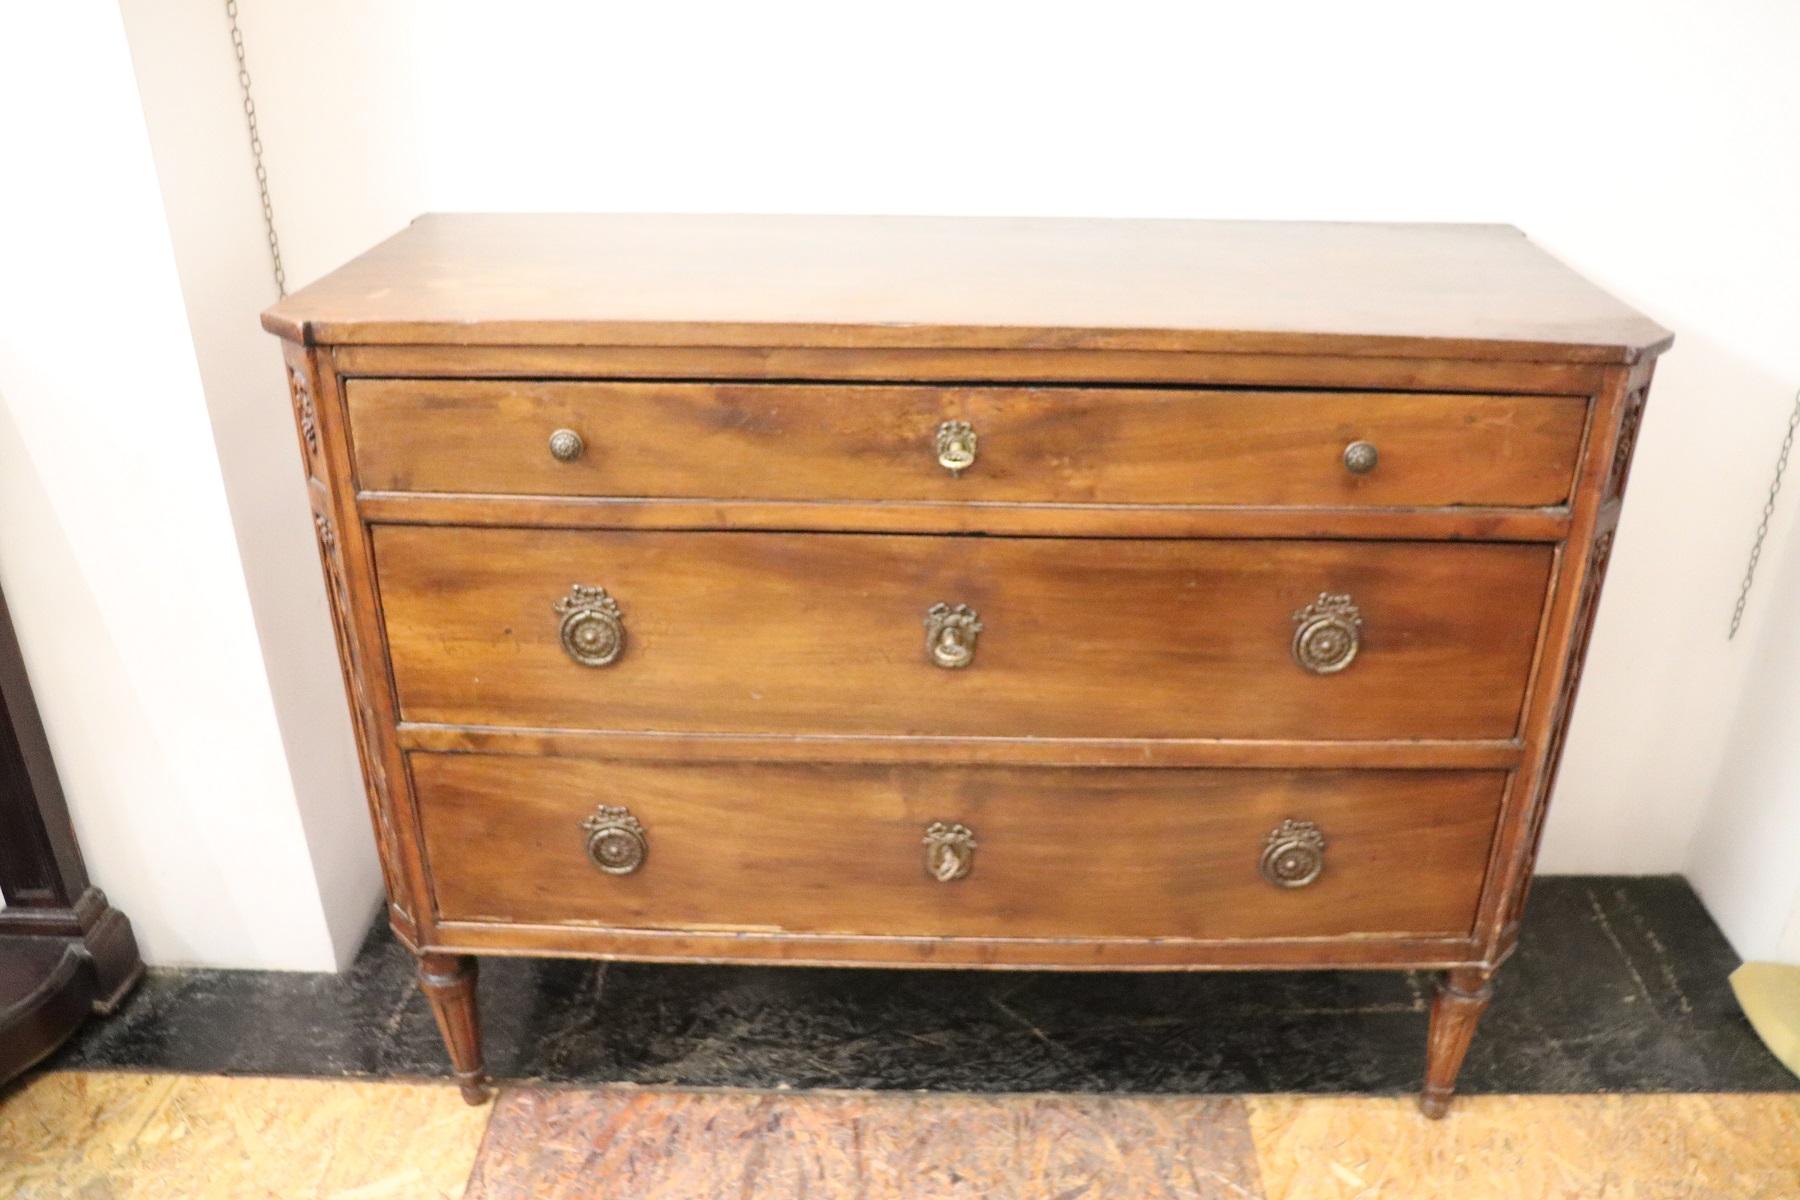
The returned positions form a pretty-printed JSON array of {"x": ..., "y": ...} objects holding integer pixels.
[{"x": 747, "y": 441}]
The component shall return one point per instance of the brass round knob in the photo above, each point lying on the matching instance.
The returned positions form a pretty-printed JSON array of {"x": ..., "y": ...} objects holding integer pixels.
[
  {"x": 616, "y": 843},
  {"x": 1361, "y": 457},
  {"x": 1327, "y": 634},
  {"x": 566, "y": 445},
  {"x": 956, "y": 446},
  {"x": 593, "y": 630},
  {"x": 949, "y": 850},
  {"x": 1293, "y": 854},
  {"x": 950, "y": 635}
]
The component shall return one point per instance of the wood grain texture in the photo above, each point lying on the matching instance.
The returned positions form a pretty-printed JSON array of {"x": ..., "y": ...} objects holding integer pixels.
[
  {"x": 1136, "y": 548},
  {"x": 838, "y": 849},
  {"x": 1656, "y": 1147},
  {"x": 344, "y": 559},
  {"x": 448, "y": 982},
  {"x": 147, "y": 1137},
  {"x": 996, "y": 953},
  {"x": 1006, "y": 520},
  {"x": 554, "y": 1144},
  {"x": 807, "y": 633},
  {"x": 1462, "y": 996},
  {"x": 132, "y": 1136},
  {"x": 1462, "y": 291},
  {"x": 47, "y": 989},
  {"x": 1570, "y": 614},
  {"x": 888, "y": 364},
  {"x": 1067, "y": 446},
  {"x": 1439, "y": 753}
]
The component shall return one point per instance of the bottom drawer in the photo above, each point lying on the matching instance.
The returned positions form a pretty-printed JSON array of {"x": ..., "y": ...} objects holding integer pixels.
[{"x": 1057, "y": 852}]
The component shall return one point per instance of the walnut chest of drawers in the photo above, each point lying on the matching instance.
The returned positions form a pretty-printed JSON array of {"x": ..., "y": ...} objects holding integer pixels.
[{"x": 976, "y": 593}]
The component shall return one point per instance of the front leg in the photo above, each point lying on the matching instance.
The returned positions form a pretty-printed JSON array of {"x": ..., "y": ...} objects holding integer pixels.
[
  {"x": 448, "y": 981},
  {"x": 1463, "y": 993}
]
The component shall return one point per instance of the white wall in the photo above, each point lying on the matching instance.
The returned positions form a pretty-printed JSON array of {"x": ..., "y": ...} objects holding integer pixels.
[
  {"x": 1746, "y": 855},
  {"x": 116, "y": 544},
  {"x": 192, "y": 103},
  {"x": 1651, "y": 144}
]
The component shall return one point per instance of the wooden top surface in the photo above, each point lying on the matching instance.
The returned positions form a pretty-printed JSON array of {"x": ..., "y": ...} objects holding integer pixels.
[{"x": 1449, "y": 291}]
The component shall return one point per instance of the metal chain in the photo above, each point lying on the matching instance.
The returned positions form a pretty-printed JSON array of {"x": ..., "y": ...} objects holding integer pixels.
[
  {"x": 1762, "y": 526},
  {"x": 256, "y": 149}
]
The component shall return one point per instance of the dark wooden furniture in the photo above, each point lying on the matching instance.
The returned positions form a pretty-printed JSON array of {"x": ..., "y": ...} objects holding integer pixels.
[
  {"x": 1003, "y": 593},
  {"x": 64, "y": 952}
]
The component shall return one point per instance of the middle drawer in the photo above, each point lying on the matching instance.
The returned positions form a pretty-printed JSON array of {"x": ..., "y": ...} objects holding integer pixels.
[{"x": 893, "y": 635}]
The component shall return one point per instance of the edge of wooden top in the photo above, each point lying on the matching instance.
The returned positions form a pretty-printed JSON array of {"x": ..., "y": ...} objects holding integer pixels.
[
  {"x": 283, "y": 320},
  {"x": 694, "y": 335}
]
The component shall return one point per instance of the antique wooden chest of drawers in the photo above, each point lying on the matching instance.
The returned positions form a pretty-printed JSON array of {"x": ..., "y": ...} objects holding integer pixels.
[{"x": 987, "y": 593}]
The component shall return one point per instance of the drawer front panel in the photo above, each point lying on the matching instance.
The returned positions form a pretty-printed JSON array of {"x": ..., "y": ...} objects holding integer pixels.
[
  {"x": 843, "y": 848},
  {"x": 827, "y": 633},
  {"x": 1065, "y": 445}
]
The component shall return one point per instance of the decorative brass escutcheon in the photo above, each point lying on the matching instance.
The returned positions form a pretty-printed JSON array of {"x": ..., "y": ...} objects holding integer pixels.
[
  {"x": 1361, "y": 457},
  {"x": 593, "y": 632},
  {"x": 615, "y": 842},
  {"x": 950, "y": 635},
  {"x": 949, "y": 850},
  {"x": 1294, "y": 854},
  {"x": 1328, "y": 634},
  {"x": 956, "y": 446},
  {"x": 566, "y": 445}
]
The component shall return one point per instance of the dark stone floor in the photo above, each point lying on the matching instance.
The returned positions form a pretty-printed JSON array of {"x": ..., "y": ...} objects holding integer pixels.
[{"x": 1619, "y": 985}]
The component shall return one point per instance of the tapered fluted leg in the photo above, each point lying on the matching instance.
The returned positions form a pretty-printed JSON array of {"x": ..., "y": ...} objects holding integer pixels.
[
  {"x": 1462, "y": 995},
  {"x": 448, "y": 981}
]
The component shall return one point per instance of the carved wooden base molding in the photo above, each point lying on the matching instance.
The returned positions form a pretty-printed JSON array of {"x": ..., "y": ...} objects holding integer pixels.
[{"x": 57, "y": 966}]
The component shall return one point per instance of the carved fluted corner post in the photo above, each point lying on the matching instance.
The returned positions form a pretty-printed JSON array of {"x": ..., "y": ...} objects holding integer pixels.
[
  {"x": 448, "y": 981},
  {"x": 1463, "y": 994}
]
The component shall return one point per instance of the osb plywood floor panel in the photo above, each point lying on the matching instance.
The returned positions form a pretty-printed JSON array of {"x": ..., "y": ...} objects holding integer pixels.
[
  {"x": 106, "y": 1136},
  {"x": 97, "y": 1136},
  {"x": 1530, "y": 1148},
  {"x": 558, "y": 1145}
]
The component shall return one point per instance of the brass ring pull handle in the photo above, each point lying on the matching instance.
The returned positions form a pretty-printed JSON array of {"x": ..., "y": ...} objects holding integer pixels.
[
  {"x": 950, "y": 635},
  {"x": 1294, "y": 854},
  {"x": 956, "y": 446},
  {"x": 615, "y": 841},
  {"x": 566, "y": 445},
  {"x": 949, "y": 851},
  {"x": 1327, "y": 634},
  {"x": 593, "y": 632},
  {"x": 1360, "y": 457}
]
